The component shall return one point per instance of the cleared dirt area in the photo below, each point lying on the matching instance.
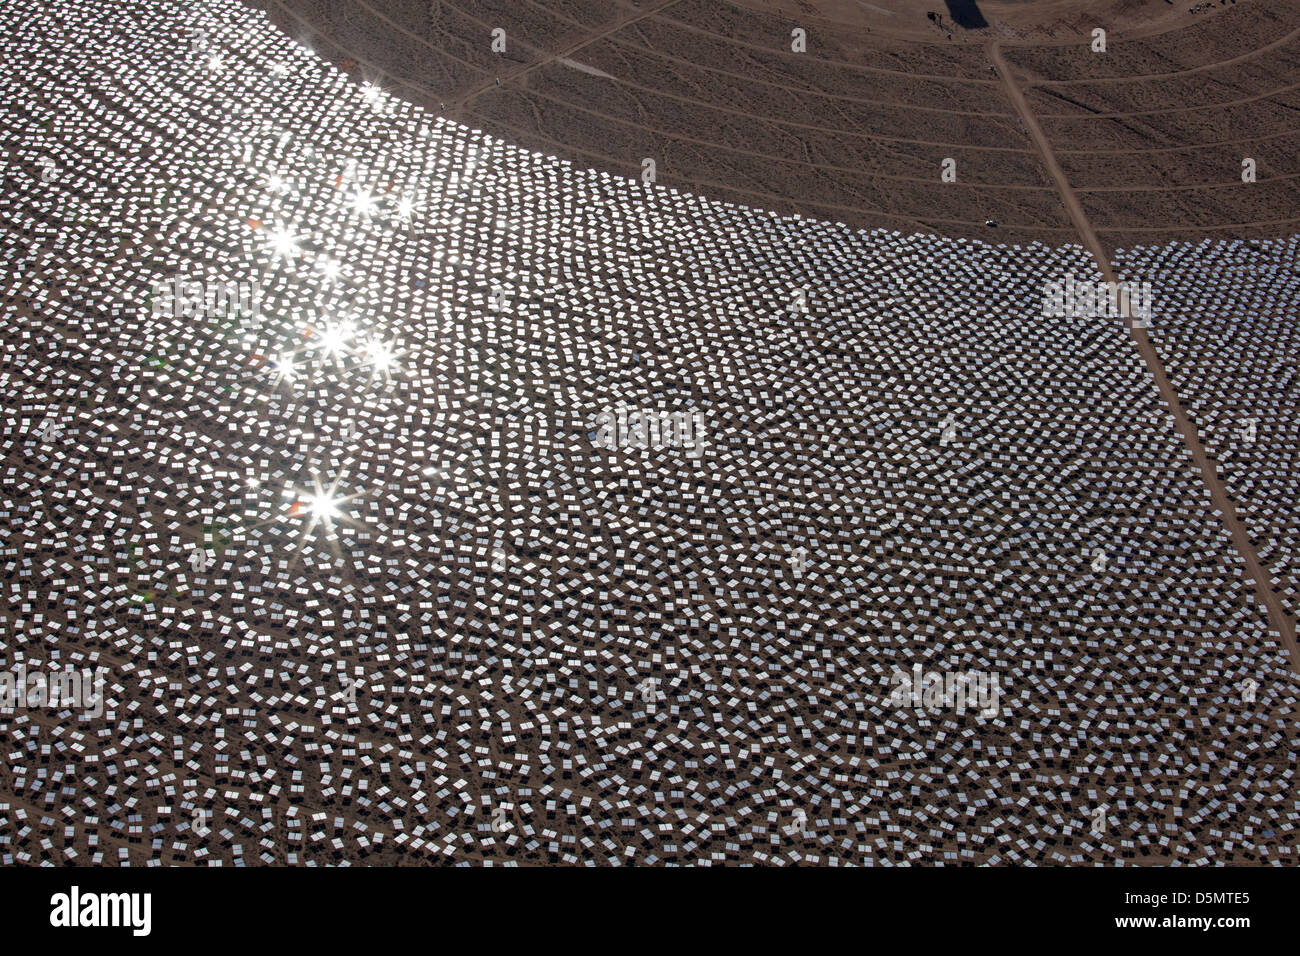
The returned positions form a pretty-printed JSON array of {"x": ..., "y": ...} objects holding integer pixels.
[{"x": 856, "y": 123}]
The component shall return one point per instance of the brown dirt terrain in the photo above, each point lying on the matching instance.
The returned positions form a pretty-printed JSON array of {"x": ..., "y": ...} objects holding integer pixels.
[{"x": 1150, "y": 133}]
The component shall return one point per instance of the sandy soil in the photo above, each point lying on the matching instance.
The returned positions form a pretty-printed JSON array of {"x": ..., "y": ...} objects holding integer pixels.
[{"x": 1150, "y": 134}]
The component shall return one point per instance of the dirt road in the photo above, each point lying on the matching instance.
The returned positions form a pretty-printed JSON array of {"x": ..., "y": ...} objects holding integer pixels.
[{"x": 1279, "y": 622}]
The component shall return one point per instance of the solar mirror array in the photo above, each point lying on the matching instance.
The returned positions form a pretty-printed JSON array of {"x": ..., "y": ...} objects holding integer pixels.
[{"x": 396, "y": 494}]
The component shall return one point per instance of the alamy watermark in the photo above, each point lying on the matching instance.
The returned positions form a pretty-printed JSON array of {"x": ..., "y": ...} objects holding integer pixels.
[
  {"x": 76, "y": 909},
  {"x": 1097, "y": 299},
  {"x": 945, "y": 690},
  {"x": 194, "y": 298},
  {"x": 623, "y": 427},
  {"x": 78, "y": 689}
]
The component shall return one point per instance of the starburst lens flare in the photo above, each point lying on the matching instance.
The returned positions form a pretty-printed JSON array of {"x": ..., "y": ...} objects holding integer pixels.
[
  {"x": 335, "y": 337},
  {"x": 381, "y": 356},
  {"x": 323, "y": 506},
  {"x": 363, "y": 203},
  {"x": 329, "y": 268},
  {"x": 283, "y": 242},
  {"x": 284, "y": 369}
]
